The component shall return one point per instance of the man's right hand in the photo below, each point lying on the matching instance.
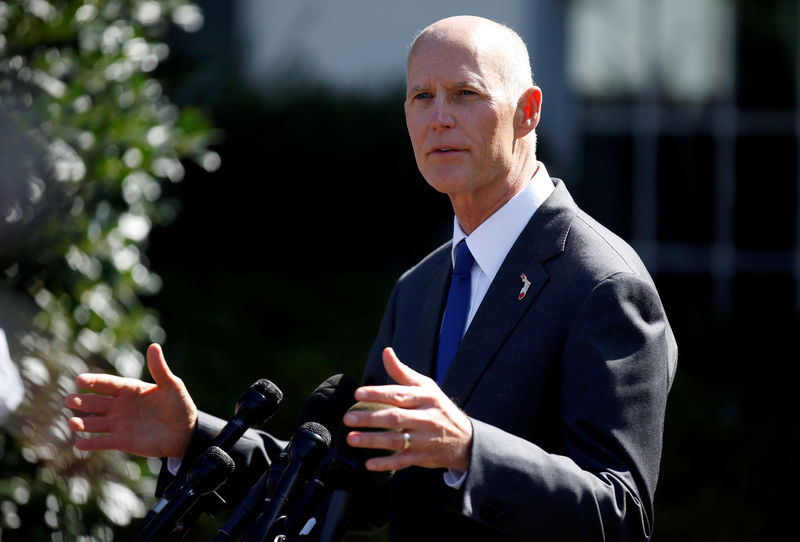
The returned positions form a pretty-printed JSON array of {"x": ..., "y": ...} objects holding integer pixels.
[{"x": 150, "y": 420}]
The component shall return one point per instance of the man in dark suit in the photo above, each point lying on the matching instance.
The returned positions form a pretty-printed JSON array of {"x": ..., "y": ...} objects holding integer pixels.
[{"x": 546, "y": 422}]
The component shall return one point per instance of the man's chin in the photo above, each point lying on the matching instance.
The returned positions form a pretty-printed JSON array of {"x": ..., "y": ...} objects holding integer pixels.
[{"x": 448, "y": 184}]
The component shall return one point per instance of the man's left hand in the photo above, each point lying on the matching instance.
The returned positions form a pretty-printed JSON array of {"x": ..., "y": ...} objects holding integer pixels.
[{"x": 438, "y": 433}]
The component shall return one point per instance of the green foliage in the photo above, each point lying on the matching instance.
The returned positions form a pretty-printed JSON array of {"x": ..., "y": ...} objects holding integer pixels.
[{"x": 87, "y": 140}]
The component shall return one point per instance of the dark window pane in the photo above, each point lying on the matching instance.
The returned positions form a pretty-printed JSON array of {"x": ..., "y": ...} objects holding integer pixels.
[
  {"x": 605, "y": 190},
  {"x": 685, "y": 189},
  {"x": 766, "y": 192}
]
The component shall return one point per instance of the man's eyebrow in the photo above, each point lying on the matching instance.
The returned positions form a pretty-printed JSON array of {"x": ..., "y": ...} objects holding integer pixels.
[
  {"x": 467, "y": 83},
  {"x": 474, "y": 83}
]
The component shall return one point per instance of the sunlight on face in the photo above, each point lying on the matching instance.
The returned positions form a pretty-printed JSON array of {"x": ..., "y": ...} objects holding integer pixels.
[{"x": 460, "y": 116}]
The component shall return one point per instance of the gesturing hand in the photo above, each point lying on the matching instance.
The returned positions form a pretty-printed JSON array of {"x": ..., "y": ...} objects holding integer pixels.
[
  {"x": 151, "y": 420},
  {"x": 440, "y": 434}
]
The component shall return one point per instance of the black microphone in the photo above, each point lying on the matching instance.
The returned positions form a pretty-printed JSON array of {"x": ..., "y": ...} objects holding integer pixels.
[
  {"x": 326, "y": 405},
  {"x": 256, "y": 405},
  {"x": 329, "y": 401},
  {"x": 208, "y": 472},
  {"x": 305, "y": 451},
  {"x": 349, "y": 479},
  {"x": 248, "y": 507}
]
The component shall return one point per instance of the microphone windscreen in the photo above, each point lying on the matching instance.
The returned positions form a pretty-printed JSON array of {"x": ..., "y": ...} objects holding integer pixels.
[
  {"x": 319, "y": 430},
  {"x": 341, "y": 477},
  {"x": 258, "y": 402},
  {"x": 210, "y": 470},
  {"x": 268, "y": 389},
  {"x": 328, "y": 403}
]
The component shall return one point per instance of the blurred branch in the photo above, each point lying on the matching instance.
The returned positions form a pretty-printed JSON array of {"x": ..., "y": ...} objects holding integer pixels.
[{"x": 87, "y": 139}]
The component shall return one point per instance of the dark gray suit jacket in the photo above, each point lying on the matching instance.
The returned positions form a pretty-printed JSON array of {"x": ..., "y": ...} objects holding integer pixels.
[{"x": 566, "y": 389}]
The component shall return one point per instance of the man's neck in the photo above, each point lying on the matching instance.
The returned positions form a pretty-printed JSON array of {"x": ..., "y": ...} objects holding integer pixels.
[{"x": 472, "y": 209}]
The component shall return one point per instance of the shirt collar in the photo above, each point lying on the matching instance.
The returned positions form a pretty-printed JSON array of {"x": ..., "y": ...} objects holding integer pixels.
[{"x": 491, "y": 241}]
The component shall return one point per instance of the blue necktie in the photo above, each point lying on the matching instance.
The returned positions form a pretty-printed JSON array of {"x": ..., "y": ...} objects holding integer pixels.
[{"x": 455, "y": 312}]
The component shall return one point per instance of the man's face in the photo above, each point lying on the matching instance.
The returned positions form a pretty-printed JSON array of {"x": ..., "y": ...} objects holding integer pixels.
[{"x": 460, "y": 118}]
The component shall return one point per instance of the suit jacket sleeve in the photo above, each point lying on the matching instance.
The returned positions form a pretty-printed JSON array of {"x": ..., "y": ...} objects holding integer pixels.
[{"x": 252, "y": 455}]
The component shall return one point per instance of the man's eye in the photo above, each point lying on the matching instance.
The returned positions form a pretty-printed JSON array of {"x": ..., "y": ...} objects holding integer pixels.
[
  {"x": 465, "y": 92},
  {"x": 422, "y": 95}
]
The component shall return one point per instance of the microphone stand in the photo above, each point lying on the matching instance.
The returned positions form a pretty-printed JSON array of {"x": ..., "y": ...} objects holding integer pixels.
[
  {"x": 307, "y": 449},
  {"x": 207, "y": 474}
]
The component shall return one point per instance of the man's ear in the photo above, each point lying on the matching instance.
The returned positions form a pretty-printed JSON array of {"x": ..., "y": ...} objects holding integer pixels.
[{"x": 529, "y": 111}]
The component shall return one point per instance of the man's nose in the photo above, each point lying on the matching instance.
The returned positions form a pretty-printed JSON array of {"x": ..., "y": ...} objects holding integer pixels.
[{"x": 442, "y": 114}]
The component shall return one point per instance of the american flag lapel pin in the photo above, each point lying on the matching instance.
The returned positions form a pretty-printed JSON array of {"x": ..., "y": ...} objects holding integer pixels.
[{"x": 525, "y": 285}]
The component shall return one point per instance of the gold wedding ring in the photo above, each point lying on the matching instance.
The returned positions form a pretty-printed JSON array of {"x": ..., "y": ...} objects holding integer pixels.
[{"x": 406, "y": 440}]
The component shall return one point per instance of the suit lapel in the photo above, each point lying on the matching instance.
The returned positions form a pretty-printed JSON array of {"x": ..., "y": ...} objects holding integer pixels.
[{"x": 503, "y": 306}]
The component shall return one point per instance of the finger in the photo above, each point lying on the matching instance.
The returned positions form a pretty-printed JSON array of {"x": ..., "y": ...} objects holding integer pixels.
[
  {"x": 396, "y": 461},
  {"x": 90, "y": 424},
  {"x": 389, "y": 418},
  {"x": 102, "y": 383},
  {"x": 157, "y": 365},
  {"x": 391, "y": 394},
  {"x": 75, "y": 423},
  {"x": 401, "y": 373},
  {"x": 89, "y": 403},
  {"x": 376, "y": 440},
  {"x": 105, "y": 442}
]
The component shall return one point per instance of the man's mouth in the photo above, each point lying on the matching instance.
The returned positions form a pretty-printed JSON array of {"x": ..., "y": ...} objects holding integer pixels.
[{"x": 444, "y": 150}]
